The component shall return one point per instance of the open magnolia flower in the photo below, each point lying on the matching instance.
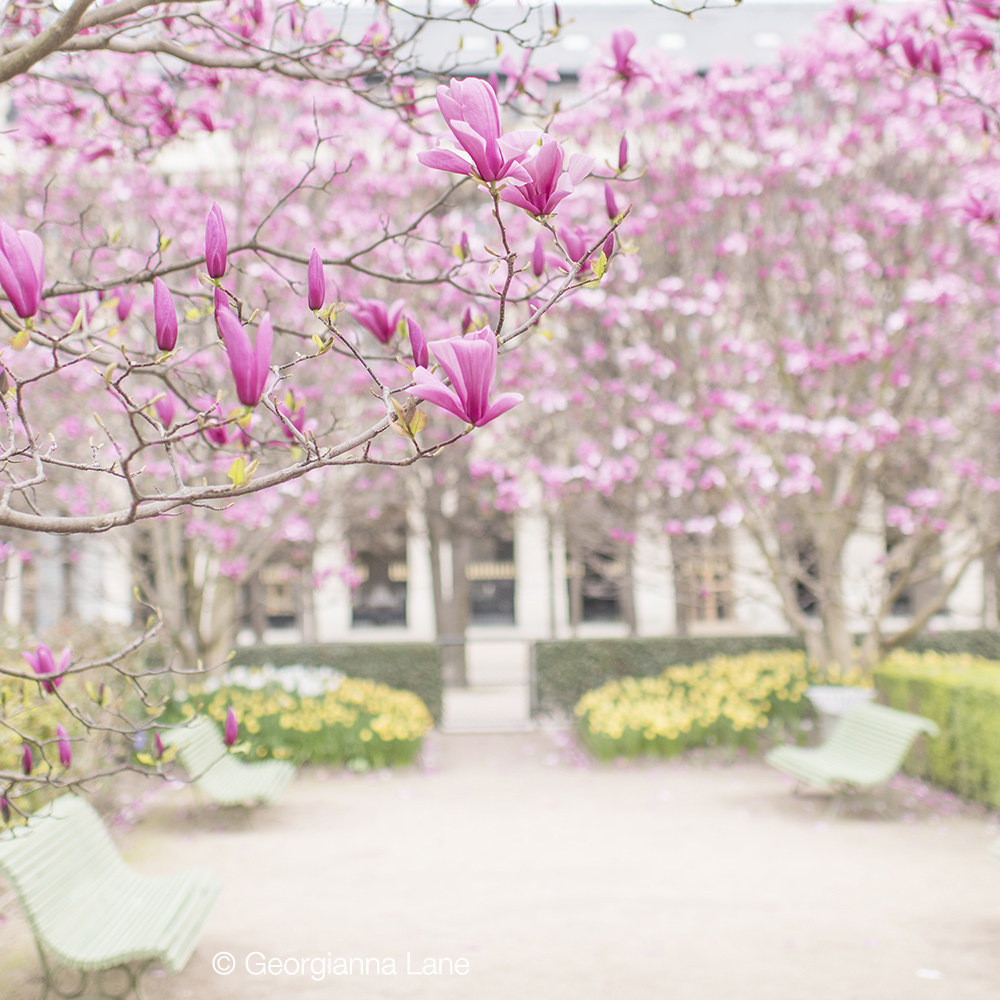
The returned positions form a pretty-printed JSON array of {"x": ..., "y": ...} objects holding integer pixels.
[
  {"x": 549, "y": 183},
  {"x": 471, "y": 364},
  {"x": 471, "y": 109}
]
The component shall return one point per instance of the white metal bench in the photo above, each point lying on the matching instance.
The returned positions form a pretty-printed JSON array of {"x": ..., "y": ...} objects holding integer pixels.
[
  {"x": 866, "y": 749},
  {"x": 224, "y": 779},
  {"x": 89, "y": 911}
]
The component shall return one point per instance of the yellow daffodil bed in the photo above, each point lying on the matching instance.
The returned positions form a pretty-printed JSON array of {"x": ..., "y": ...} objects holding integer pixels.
[
  {"x": 358, "y": 722},
  {"x": 726, "y": 700}
]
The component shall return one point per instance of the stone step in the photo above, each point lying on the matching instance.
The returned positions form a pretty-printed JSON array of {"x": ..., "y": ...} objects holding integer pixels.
[{"x": 499, "y": 708}]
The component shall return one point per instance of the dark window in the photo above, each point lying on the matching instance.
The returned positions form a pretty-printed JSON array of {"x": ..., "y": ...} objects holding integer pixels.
[
  {"x": 380, "y": 597},
  {"x": 924, "y": 584},
  {"x": 490, "y": 573},
  {"x": 600, "y": 576},
  {"x": 280, "y": 583},
  {"x": 707, "y": 579}
]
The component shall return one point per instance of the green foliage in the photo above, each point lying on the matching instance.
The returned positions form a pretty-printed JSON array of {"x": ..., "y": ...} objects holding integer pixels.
[
  {"x": 724, "y": 701},
  {"x": 24, "y": 708},
  {"x": 961, "y": 693},
  {"x": 410, "y": 666},
  {"x": 358, "y": 722}
]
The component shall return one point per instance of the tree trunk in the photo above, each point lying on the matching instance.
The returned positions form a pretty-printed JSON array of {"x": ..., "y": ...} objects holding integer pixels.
[
  {"x": 837, "y": 637},
  {"x": 447, "y": 589},
  {"x": 626, "y": 590},
  {"x": 575, "y": 586},
  {"x": 682, "y": 599}
]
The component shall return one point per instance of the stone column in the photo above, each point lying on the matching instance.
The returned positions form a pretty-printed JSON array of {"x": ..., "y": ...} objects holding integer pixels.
[
  {"x": 653, "y": 582},
  {"x": 332, "y": 594},
  {"x": 420, "y": 620},
  {"x": 532, "y": 583}
]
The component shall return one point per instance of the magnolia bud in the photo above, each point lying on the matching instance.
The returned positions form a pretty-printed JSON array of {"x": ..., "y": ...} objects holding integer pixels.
[
  {"x": 65, "y": 747},
  {"x": 317, "y": 282},
  {"x": 538, "y": 257},
  {"x": 164, "y": 316},
  {"x": 232, "y": 727},
  {"x": 609, "y": 201},
  {"x": 216, "y": 242}
]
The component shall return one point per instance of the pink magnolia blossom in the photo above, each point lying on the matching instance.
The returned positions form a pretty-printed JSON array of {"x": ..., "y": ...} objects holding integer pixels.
[
  {"x": 927, "y": 56},
  {"x": 218, "y": 434},
  {"x": 418, "y": 343},
  {"x": 232, "y": 730},
  {"x": 250, "y": 364},
  {"x": 470, "y": 363},
  {"x": 216, "y": 242},
  {"x": 549, "y": 184},
  {"x": 166, "y": 409},
  {"x": 538, "y": 257},
  {"x": 27, "y": 760},
  {"x": 609, "y": 201},
  {"x": 164, "y": 316},
  {"x": 22, "y": 269},
  {"x": 126, "y": 299},
  {"x": 977, "y": 42},
  {"x": 472, "y": 112},
  {"x": 43, "y": 662},
  {"x": 575, "y": 243},
  {"x": 622, "y": 43},
  {"x": 378, "y": 38},
  {"x": 623, "y": 154},
  {"x": 316, "y": 281},
  {"x": 377, "y": 318},
  {"x": 65, "y": 747},
  {"x": 527, "y": 79}
]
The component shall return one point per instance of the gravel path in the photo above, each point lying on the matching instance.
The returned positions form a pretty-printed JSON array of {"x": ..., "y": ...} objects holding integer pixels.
[{"x": 543, "y": 877}]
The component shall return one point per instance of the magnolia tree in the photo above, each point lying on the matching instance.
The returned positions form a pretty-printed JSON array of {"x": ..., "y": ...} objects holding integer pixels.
[
  {"x": 804, "y": 344},
  {"x": 188, "y": 330}
]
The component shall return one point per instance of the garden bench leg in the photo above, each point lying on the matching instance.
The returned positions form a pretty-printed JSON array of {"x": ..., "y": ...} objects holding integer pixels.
[{"x": 133, "y": 977}]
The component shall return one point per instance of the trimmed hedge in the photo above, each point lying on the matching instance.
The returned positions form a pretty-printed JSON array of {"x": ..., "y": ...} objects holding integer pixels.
[
  {"x": 961, "y": 693},
  {"x": 409, "y": 666},
  {"x": 568, "y": 669}
]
